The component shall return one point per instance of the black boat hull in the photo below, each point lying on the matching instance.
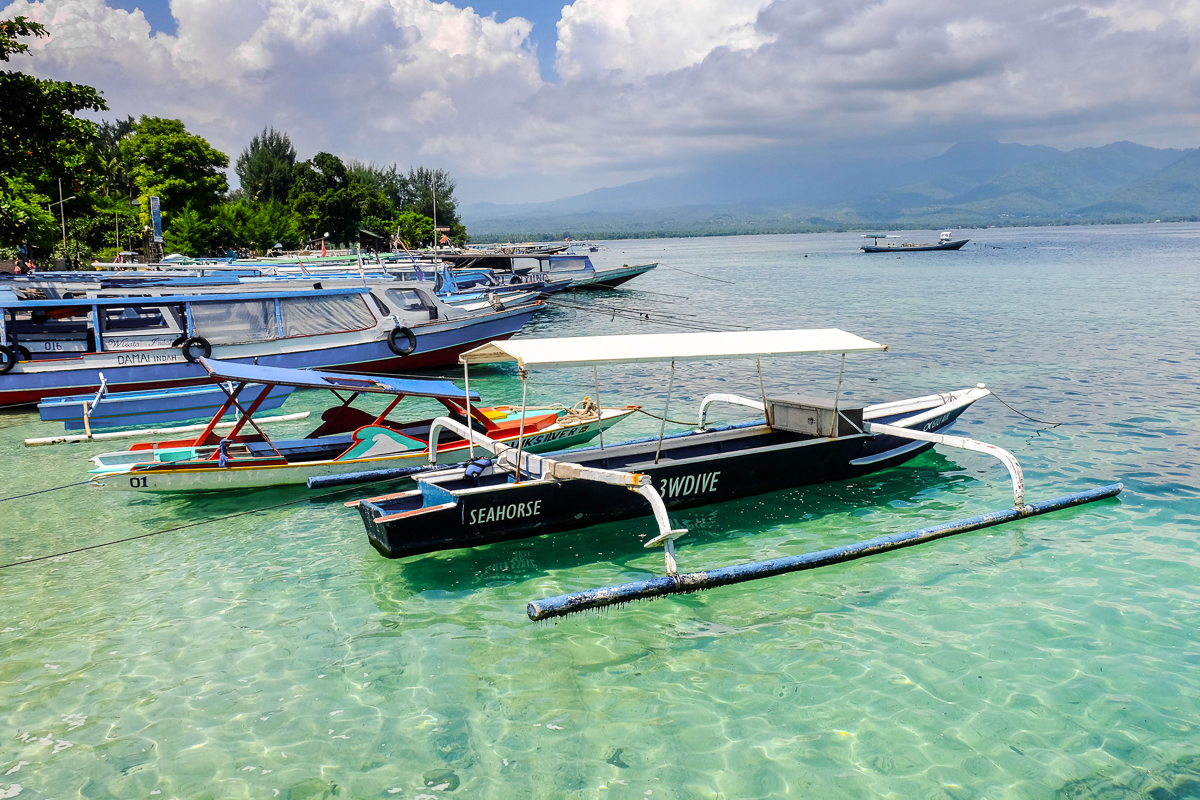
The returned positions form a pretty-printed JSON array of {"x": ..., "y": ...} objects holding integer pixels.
[
  {"x": 955, "y": 245},
  {"x": 398, "y": 526}
]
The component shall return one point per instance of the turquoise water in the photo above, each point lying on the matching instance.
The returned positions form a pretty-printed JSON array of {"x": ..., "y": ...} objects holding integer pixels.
[{"x": 275, "y": 654}]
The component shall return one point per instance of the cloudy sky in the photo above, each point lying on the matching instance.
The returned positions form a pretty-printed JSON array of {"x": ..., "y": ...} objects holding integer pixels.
[{"x": 525, "y": 100}]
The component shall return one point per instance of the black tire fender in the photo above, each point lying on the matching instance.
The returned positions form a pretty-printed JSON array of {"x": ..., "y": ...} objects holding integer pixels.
[
  {"x": 393, "y": 337},
  {"x": 24, "y": 353},
  {"x": 8, "y": 359},
  {"x": 200, "y": 342}
]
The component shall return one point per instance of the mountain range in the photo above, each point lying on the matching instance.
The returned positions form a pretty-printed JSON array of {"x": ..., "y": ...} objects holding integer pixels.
[{"x": 973, "y": 184}]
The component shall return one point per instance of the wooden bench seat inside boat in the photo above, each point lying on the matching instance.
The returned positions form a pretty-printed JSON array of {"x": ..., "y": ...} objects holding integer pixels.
[{"x": 298, "y": 450}]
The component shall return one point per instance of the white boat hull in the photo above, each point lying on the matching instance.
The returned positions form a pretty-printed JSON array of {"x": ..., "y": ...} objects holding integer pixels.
[{"x": 216, "y": 479}]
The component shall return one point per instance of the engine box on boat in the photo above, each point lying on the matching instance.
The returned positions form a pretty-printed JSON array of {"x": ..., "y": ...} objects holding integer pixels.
[{"x": 812, "y": 415}]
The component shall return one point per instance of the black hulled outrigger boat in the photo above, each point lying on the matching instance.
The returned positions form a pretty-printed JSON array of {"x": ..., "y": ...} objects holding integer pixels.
[{"x": 509, "y": 494}]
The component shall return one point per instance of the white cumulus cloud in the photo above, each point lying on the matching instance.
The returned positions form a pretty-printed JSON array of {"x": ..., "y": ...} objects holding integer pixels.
[
  {"x": 644, "y": 87},
  {"x": 636, "y": 38}
]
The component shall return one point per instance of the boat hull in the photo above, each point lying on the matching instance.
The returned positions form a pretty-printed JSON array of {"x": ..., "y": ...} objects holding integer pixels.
[
  {"x": 955, "y": 245},
  {"x": 610, "y": 278},
  {"x": 163, "y": 480},
  {"x": 398, "y": 526},
  {"x": 438, "y": 345}
]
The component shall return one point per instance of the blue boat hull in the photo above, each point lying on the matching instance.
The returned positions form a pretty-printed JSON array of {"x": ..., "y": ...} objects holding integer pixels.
[{"x": 166, "y": 368}]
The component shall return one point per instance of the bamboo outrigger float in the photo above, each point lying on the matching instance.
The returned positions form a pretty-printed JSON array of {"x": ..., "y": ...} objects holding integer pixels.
[{"x": 513, "y": 494}]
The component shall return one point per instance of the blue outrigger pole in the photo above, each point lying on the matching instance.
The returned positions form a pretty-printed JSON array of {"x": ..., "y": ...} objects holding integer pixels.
[
  {"x": 710, "y": 579},
  {"x": 674, "y": 583}
]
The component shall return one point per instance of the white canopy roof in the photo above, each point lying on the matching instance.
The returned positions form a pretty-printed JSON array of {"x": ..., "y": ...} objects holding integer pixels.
[{"x": 596, "y": 350}]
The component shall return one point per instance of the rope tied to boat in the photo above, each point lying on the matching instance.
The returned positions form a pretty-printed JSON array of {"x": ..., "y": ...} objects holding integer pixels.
[
  {"x": 1023, "y": 414},
  {"x": 43, "y": 491},
  {"x": 690, "y": 423},
  {"x": 585, "y": 410}
]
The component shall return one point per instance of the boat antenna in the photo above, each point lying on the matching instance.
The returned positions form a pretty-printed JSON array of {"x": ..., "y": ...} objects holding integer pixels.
[{"x": 666, "y": 412}]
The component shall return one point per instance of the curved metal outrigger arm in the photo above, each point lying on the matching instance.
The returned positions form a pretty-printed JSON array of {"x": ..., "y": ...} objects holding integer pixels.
[
  {"x": 547, "y": 468},
  {"x": 732, "y": 399},
  {"x": 963, "y": 443}
]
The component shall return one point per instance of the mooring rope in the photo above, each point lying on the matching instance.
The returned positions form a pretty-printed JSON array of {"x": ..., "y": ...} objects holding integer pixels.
[
  {"x": 668, "y": 419},
  {"x": 614, "y": 312},
  {"x": 182, "y": 527},
  {"x": 1023, "y": 414},
  {"x": 656, "y": 319},
  {"x": 43, "y": 491},
  {"x": 698, "y": 275}
]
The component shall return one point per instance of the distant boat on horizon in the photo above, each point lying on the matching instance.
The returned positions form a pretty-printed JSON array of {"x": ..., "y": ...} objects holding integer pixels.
[{"x": 943, "y": 243}]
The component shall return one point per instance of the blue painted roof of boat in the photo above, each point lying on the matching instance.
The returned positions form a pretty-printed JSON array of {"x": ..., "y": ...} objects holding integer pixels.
[{"x": 312, "y": 379}]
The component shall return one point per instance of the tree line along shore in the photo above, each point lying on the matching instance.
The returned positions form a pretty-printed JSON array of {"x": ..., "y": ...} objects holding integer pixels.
[{"x": 74, "y": 191}]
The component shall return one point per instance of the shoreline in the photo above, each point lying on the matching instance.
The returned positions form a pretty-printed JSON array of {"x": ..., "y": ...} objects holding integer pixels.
[{"x": 585, "y": 235}]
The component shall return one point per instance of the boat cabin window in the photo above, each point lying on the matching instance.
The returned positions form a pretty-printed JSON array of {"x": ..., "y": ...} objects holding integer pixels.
[
  {"x": 410, "y": 299},
  {"x": 570, "y": 264},
  {"x": 131, "y": 318},
  {"x": 309, "y": 316},
  {"x": 236, "y": 321},
  {"x": 383, "y": 309}
]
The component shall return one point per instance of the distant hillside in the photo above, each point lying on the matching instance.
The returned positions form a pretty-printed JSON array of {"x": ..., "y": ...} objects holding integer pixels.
[
  {"x": 973, "y": 184},
  {"x": 1170, "y": 193}
]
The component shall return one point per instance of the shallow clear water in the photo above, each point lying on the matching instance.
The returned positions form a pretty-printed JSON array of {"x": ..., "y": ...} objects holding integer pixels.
[{"x": 276, "y": 654}]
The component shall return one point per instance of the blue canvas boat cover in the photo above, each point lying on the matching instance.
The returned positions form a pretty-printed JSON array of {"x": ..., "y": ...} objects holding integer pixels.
[{"x": 312, "y": 379}]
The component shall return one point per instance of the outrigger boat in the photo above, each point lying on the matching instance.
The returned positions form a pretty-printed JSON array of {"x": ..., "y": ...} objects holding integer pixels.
[
  {"x": 944, "y": 242},
  {"x": 349, "y": 439},
  {"x": 511, "y": 494}
]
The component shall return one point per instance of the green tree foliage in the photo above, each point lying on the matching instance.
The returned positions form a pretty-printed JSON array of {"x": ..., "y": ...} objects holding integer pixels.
[
  {"x": 414, "y": 229},
  {"x": 11, "y": 32},
  {"x": 106, "y": 148},
  {"x": 41, "y": 139},
  {"x": 104, "y": 165},
  {"x": 23, "y": 214},
  {"x": 78, "y": 249},
  {"x": 231, "y": 225},
  {"x": 327, "y": 197},
  {"x": 270, "y": 224},
  {"x": 426, "y": 186},
  {"x": 413, "y": 194},
  {"x": 119, "y": 226},
  {"x": 244, "y": 225},
  {"x": 187, "y": 233},
  {"x": 178, "y": 167},
  {"x": 265, "y": 167}
]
